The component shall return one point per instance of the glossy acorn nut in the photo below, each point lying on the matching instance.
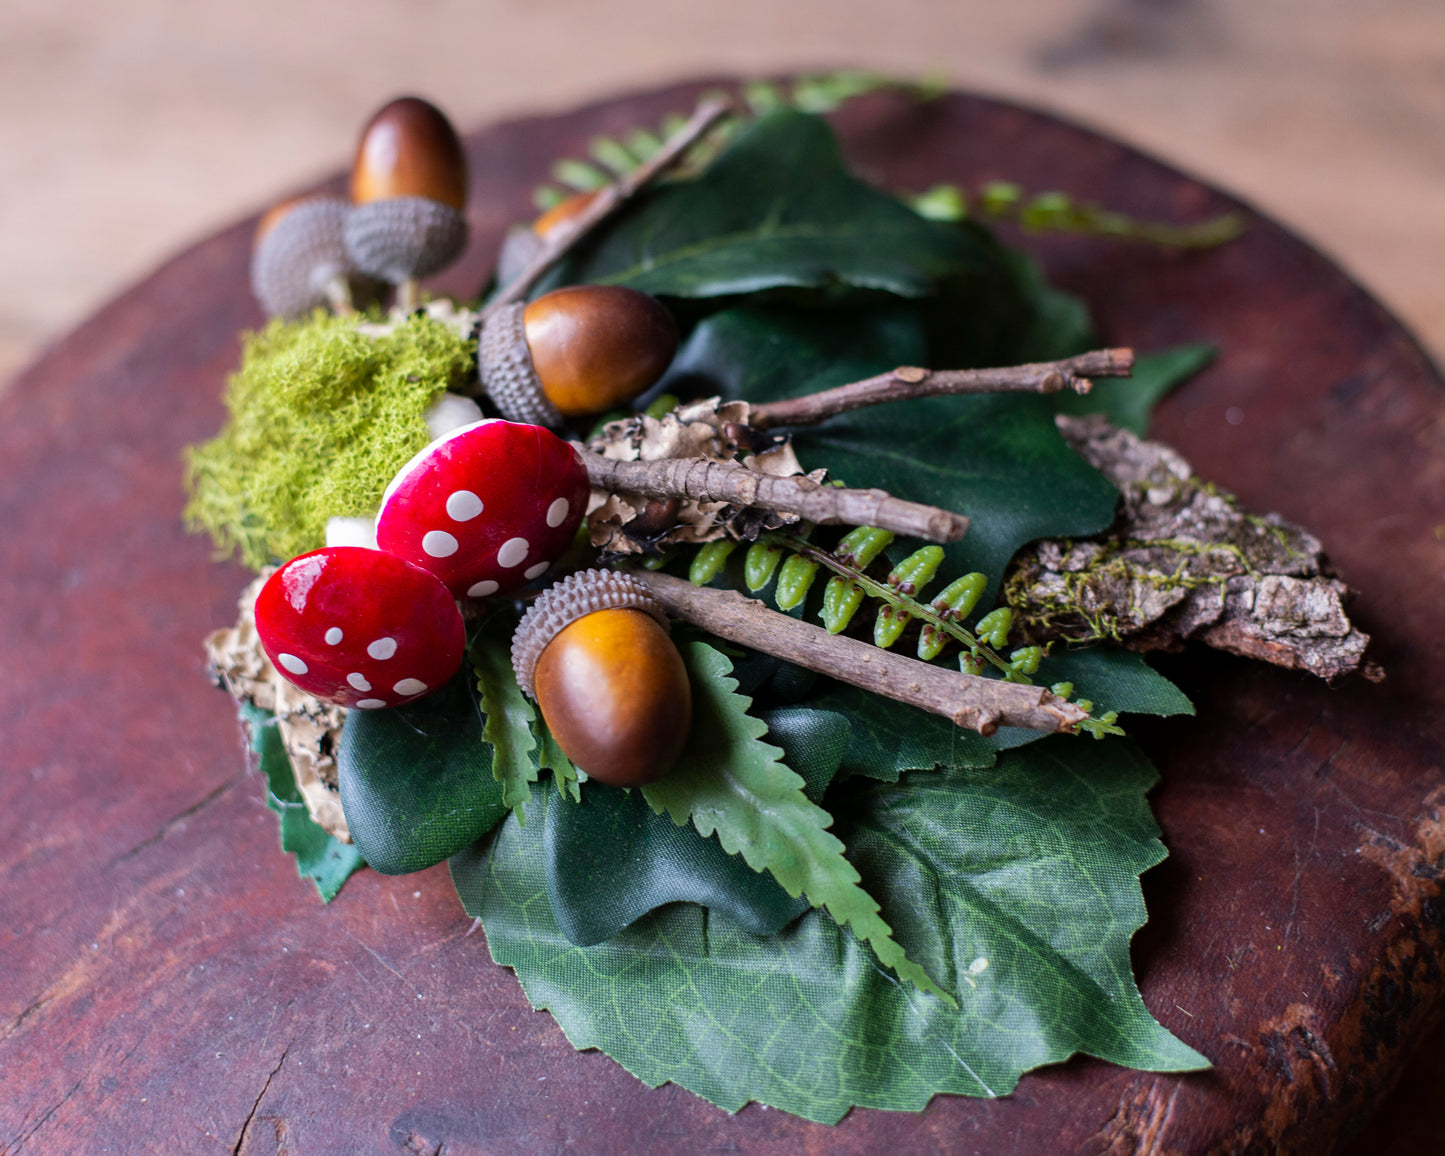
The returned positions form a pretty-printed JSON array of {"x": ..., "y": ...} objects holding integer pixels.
[
  {"x": 359, "y": 628},
  {"x": 299, "y": 261},
  {"x": 409, "y": 187},
  {"x": 574, "y": 352},
  {"x": 486, "y": 508},
  {"x": 524, "y": 242},
  {"x": 594, "y": 652}
]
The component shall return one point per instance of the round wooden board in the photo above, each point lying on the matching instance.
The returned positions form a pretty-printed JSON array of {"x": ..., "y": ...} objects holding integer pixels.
[{"x": 167, "y": 983}]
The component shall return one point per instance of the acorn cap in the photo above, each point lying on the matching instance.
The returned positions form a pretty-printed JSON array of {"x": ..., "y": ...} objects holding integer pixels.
[
  {"x": 504, "y": 364},
  {"x": 576, "y": 596},
  {"x": 410, "y": 149},
  {"x": 519, "y": 247},
  {"x": 300, "y": 247},
  {"x": 404, "y": 238}
]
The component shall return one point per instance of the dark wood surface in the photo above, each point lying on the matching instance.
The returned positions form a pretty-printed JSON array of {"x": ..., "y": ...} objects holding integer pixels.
[{"x": 168, "y": 984}]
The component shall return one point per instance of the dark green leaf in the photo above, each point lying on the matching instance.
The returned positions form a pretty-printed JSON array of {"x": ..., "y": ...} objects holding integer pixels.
[
  {"x": 320, "y": 857},
  {"x": 1114, "y": 679},
  {"x": 778, "y": 208},
  {"x": 1030, "y": 867},
  {"x": 610, "y": 860},
  {"x": 1128, "y": 401},
  {"x": 416, "y": 780}
]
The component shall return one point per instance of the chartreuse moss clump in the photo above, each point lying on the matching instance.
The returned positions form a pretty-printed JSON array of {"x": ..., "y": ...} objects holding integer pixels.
[{"x": 322, "y": 417}]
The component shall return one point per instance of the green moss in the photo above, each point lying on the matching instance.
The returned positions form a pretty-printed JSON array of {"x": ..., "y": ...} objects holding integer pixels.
[{"x": 321, "y": 419}]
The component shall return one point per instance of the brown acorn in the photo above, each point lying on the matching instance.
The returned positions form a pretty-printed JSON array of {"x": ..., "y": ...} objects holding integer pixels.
[
  {"x": 299, "y": 261},
  {"x": 574, "y": 352},
  {"x": 593, "y": 651},
  {"x": 524, "y": 242},
  {"x": 409, "y": 186}
]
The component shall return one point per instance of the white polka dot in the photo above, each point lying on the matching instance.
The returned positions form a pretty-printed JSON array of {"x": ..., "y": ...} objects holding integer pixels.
[
  {"x": 482, "y": 589},
  {"x": 538, "y": 570},
  {"x": 371, "y": 703},
  {"x": 358, "y": 681},
  {"x": 292, "y": 663},
  {"x": 513, "y": 552},
  {"x": 382, "y": 649},
  {"x": 557, "y": 512},
  {"x": 333, "y": 636},
  {"x": 463, "y": 506},
  {"x": 439, "y": 544},
  {"x": 409, "y": 686}
]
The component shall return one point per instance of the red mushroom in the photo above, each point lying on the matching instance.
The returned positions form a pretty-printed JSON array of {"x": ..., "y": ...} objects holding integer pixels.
[
  {"x": 487, "y": 508},
  {"x": 359, "y": 628}
]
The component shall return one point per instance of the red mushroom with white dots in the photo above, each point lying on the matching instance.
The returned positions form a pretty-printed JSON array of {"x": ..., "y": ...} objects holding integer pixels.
[
  {"x": 360, "y": 628},
  {"x": 487, "y": 508}
]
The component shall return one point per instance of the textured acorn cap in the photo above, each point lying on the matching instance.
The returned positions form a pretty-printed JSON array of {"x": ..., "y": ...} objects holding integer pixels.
[
  {"x": 404, "y": 238},
  {"x": 300, "y": 247},
  {"x": 576, "y": 596},
  {"x": 504, "y": 364}
]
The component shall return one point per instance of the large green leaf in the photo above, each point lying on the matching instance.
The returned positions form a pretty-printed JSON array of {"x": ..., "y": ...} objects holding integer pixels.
[
  {"x": 778, "y": 208},
  {"x": 996, "y": 458},
  {"x": 1113, "y": 678},
  {"x": 416, "y": 780},
  {"x": 1128, "y": 401},
  {"x": 1018, "y": 882},
  {"x": 729, "y": 782},
  {"x": 320, "y": 857}
]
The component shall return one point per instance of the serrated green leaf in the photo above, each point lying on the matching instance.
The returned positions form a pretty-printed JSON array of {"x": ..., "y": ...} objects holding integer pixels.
[
  {"x": 777, "y": 208},
  {"x": 416, "y": 780},
  {"x": 320, "y": 857},
  {"x": 1128, "y": 401},
  {"x": 1019, "y": 881},
  {"x": 508, "y": 716},
  {"x": 550, "y": 757},
  {"x": 730, "y": 782}
]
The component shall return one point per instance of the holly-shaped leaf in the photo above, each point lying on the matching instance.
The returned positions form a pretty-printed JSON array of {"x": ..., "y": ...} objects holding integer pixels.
[
  {"x": 1017, "y": 882},
  {"x": 416, "y": 780},
  {"x": 320, "y": 857}
]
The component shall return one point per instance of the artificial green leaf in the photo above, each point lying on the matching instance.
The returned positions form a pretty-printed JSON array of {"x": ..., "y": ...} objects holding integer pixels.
[
  {"x": 610, "y": 860},
  {"x": 1019, "y": 882},
  {"x": 1115, "y": 679},
  {"x": 777, "y": 208},
  {"x": 320, "y": 857},
  {"x": 551, "y": 758},
  {"x": 995, "y": 457},
  {"x": 508, "y": 718},
  {"x": 729, "y": 782},
  {"x": 416, "y": 780},
  {"x": 813, "y": 742},
  {"x": 1128, "y": 401}
]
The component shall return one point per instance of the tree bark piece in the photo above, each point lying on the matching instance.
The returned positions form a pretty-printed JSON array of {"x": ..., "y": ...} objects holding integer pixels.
[
  {"x": 979, "y": 704},
  {"x": 908, "y": 382},
  {"x": 700, "y": 479}
]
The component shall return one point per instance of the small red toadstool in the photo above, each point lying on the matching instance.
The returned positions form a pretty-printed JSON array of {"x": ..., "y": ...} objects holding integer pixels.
[
  {"x": 487, "y": 508},
  {"x": 359, "y": 628}
]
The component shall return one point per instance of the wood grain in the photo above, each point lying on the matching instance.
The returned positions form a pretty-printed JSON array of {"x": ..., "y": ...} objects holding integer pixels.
[{"x": 168, "y": 984}]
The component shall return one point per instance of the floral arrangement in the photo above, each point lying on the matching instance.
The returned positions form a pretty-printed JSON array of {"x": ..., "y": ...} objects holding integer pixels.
[{"x": 809, "y": 640}]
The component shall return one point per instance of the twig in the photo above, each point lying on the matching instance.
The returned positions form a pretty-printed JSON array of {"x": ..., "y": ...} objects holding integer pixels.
[
  {"x": 705, "y": 480},
  {"x": 908, "y": 382},
  {"x": 979, "y": 704},
  {"x": 608, "y": 200}
]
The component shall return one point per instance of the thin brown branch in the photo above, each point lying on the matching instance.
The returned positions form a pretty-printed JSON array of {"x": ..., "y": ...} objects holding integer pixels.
[
  {"x": 908, "y": 382},
  {"x": 979, "y": 704},
  {"x": 609, "y": 199},
  {"x": 706, "y": 480}
]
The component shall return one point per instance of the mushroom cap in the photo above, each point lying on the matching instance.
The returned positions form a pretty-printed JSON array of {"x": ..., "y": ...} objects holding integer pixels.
[
  {"x": 404, "y": 238},
  {"x": 359, "y": 627},
  {"x": 300, "y": 246},
  {"x": 410, "y": 149},
  {"x": 487, "y": 508}
]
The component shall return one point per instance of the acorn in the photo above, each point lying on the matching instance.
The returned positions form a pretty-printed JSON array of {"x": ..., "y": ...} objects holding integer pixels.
[
  {"x": 594, "y": 652},
  {"x": 409, "y": 188},
  {"x": 299, "y": 261},
  {"x": 524, "y": 242},
  {"x": 574, "y": 352}
]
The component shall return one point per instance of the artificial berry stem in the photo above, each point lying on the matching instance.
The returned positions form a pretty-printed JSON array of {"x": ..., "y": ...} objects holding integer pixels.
[
  {"x": 908, "y": 382},
  {"x": 608, "y": 200},
  {"x": 706, "y": 480},
  {"x": 979, "y": 704}
]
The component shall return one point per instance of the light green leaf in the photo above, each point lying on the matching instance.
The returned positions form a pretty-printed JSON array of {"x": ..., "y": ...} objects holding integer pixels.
[
  {"x": 509, "y": 718},
  {"x": 730, "y": 782}
]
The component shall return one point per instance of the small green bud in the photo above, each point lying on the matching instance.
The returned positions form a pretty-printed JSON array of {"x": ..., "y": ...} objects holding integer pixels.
[
  {"x": 709, "y": 561},
  {"x": 1026, "y": 659},
  {"x": 762, "y": 559},
  {"x": 794, "y": 579},
  {"x": 889, "y": 626},
  {"x": 917, "y": 570},
  {"x": 972, "y": 662},
  {"x": 661, "y": 406},
  {"x": 994, "y": 626},
  {"x": 861, "y": 545},
  {"x": 958, "y": 598},
  {"x": 580, "y": 175},
  {"x": 612, "y": 154},
  {"x": 841, "y": 600},
  {"x": 1000, "y": 196},
  {"x": 1062, "y": 689},
  {"x": 931, "y": 643}
]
